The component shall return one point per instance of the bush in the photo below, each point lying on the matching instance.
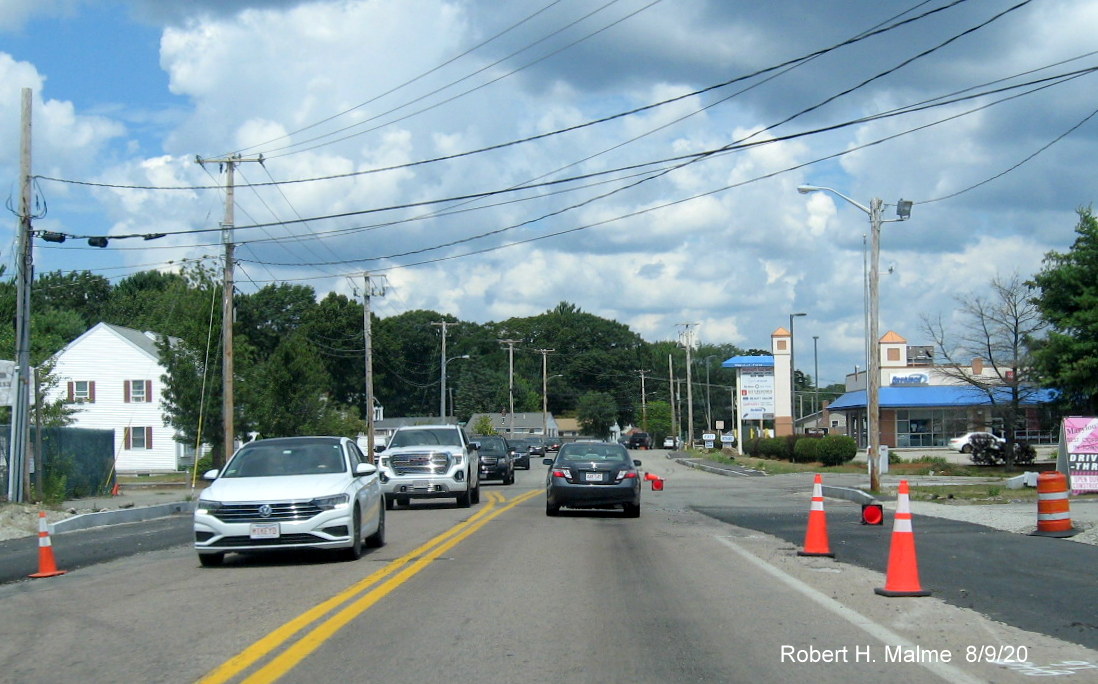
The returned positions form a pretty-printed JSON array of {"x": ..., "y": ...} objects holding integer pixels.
[
  {"x": 836, "y": 450},
  {"x": 772, "y": 448},
  {"x": 805, "y": 450}
]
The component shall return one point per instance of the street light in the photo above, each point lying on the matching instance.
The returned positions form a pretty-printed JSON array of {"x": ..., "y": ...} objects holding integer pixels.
[
  {"x": 442, "y": 394},
  {"x": 793, "y": 374},
  {"x": 816, "y": 377},
  {"x": 873, "y": 381}
]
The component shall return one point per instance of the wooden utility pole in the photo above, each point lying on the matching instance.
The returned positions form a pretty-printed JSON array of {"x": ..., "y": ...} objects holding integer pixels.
[
  {"x": 545, "y": 390},
  {"x": 688, "y": 342},
  {"x": 442, "y": 364},
  {"x": 644, "y": 403},
  {"x": 227, "y": 291},
  {"x": 510, "y": 385},
  {"x": 369, "y": 290},
  {"x": 17, "y": 462}
]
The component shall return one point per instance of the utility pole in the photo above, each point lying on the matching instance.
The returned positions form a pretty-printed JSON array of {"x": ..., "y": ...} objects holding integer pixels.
[
  {"x": 688, "y": 342},
  {"x": 510, "y": 385},
  {"x": 442, "y": 389},
  {"x": 24, "y": 278},
  {"x": 227, "y": 291},
  {"x": 369, "y": 290},
  {"x": 545, "y": 390},
  {"x": 644, "y": 404},
  {"x": 671, "y": 386}
]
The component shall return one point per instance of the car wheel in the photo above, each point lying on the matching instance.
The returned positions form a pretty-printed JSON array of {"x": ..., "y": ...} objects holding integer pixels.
[
  {"x": 211, "y": 560},
  {"x": 377, "y": 539},
  {"x": 474, "y": 496},
  {"x": 390, "y": 503},
  {"x": 966, "y": 449},
  {"x": 632, "y": 510},
  {"x": 464, "y": 499},
  {"x": 551, "y": 510},
  {"x": 354, "y": 551},
  {"x": 510, "y": 478}
]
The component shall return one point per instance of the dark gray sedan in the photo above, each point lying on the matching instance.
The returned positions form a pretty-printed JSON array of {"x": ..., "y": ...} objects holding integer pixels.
[{"x": 592, "y": 475}]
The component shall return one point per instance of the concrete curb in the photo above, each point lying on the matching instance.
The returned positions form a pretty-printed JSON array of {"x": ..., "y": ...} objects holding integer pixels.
[
  {"x": 848, "y": 493},
  {"x": 122, "y": 515}
]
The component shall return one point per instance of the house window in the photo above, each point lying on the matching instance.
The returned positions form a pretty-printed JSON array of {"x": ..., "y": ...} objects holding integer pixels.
[
  {"x": 81, "y": 391},
  {"x": 138, "y": 438},
  {"x": 137, "y": 391}
]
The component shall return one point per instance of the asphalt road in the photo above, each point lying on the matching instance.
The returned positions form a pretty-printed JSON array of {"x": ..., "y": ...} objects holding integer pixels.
[{"x": 502, "y": 593}]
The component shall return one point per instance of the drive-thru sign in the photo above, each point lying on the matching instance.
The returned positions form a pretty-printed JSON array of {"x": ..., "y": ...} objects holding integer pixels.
[{"x": 1078, "y": 455}]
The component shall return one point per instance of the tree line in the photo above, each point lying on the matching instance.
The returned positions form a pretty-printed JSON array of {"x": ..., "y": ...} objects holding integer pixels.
[{"x": 300, "y": 359}]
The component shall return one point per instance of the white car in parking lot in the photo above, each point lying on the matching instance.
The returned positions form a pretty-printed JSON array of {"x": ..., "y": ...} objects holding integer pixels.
[
  {"x": 963, "y": 443},
  {"x": 290, "y": 493}
]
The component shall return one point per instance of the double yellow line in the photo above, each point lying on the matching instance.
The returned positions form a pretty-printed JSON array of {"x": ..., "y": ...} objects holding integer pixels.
[{"x": 401, "y": 569}]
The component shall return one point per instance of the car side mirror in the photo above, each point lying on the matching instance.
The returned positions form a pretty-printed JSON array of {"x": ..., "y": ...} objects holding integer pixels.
[
  {"x": 636, "y": 462},
  {"x": 475, "y": 446},
  {"x": 211, "y": 474},
  {"x": 547, "y": 461},
  {"x": 378, "y": 448},
  {"x": 365, "y": 469}
]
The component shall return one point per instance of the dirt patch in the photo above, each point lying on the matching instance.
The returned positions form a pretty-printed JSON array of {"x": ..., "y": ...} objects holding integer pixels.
[{"x": 21, "y": 520}]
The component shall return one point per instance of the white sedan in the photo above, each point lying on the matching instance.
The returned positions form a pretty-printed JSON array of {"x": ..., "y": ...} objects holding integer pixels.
[
  {"x": 963, "y": 443},
  {"x": 291, "y": 493}
]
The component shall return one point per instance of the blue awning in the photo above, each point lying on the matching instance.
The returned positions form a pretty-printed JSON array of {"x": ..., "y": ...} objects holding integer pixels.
[
  {"x": 937, "y": 397},
  {"x": 749, "y": 362}
]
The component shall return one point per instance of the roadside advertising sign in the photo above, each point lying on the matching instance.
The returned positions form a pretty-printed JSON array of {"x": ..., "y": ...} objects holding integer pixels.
[
  {"x": 1078, "y": 455},
  {"x": 756, "y": 392}
]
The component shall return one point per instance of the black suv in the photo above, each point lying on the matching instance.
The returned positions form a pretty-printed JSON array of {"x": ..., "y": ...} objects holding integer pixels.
[
  {"x": 497, "y": 459},
  {"x": 639, "y": 440}
]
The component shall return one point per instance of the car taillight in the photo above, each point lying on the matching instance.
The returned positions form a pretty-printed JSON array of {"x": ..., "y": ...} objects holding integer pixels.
[
  {"x": 562, "y": 472},
  {"x": 626, "y": 475}
]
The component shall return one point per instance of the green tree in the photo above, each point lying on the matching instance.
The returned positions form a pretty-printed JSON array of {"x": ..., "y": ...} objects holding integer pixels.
[
  {"x": 483, "y": 426},
  {"x": 1067, "y": 296},
  {"x": 659, "y": 420},
  {"x": 288, "y": 395},
  {"x": 597, "y": 412}
]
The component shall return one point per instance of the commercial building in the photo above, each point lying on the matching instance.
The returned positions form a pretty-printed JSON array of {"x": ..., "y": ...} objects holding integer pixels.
[{"x": 924, "y": 405}]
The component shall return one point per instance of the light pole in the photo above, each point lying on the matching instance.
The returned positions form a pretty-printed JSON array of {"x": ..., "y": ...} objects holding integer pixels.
[
  {"x": 708, "y": 395},
  {"x": 443, "y": 393},
  {"x": 873, "y": 379},
  {"x": 815, "y": 376},
  {"x": 793, "y": 373}
]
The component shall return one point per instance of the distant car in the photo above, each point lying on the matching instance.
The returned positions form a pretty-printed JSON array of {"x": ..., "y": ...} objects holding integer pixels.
[
  {"x": 524, "y": 448},
  {"x": 670, "y": 443},
  {"x": 290, "y": 493},
  {"x": 963, "y": 443},
  {"x": 430, "y": 462},
  {"x": 639, "y": 440},
  {"x": 551, "y": 445},
  {"x": 497, "y": 459},
  {"x": 592, "y": 475}
]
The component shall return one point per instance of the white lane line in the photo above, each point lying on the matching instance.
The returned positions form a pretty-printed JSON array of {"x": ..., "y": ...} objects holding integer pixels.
[{"x": 876, "y": 630}]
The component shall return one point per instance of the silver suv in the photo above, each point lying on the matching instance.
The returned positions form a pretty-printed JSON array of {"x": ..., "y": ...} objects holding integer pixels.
[{"x": 429, "y": 462}]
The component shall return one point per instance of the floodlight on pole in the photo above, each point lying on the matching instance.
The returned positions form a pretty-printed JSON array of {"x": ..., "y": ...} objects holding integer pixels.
[{"x": 873, "y": 374}]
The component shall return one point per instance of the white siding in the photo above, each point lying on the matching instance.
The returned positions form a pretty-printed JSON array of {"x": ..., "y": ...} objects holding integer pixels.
[{"x": 108, "y": 359}]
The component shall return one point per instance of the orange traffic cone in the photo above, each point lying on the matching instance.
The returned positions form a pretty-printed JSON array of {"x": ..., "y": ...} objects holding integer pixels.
[
  {"x": 815, "y": 537},
  {"x": 903, "y": 570},
  {"x": 651, "y": 476},
  {"x": 116, "y": 490},
  {"x": 657, "y": 484},
  {"x": 47, "y": 567}
]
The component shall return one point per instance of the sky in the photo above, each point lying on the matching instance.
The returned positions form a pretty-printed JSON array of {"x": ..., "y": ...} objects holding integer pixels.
[{"x": 639, "y": 159}]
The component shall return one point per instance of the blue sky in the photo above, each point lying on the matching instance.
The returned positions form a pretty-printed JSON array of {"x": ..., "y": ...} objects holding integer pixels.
[{"x": 128, "y": 92}]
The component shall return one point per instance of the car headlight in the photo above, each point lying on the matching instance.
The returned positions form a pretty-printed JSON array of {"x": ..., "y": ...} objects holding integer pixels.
[
  {"x": 207, "y": 507},
  {"x": 328, "y": 503},
  {"x": 459, "y": 459}
]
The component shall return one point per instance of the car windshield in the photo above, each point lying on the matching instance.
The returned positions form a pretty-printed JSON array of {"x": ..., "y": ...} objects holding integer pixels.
[
  {"x": 492, "y": 446},
  {"x": 592, "y": 452},
  {"x": 271, "y": 460},
  {"x": 425, "y": 437}
]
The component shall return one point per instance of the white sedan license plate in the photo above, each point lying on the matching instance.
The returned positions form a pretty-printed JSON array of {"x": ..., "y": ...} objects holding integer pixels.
[
  {"x": 265, "y": 531},
  {"x": 592, "y": 477}
]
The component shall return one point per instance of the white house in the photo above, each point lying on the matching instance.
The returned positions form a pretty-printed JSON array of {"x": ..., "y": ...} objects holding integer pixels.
[{"x": 113, "y": 375}]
